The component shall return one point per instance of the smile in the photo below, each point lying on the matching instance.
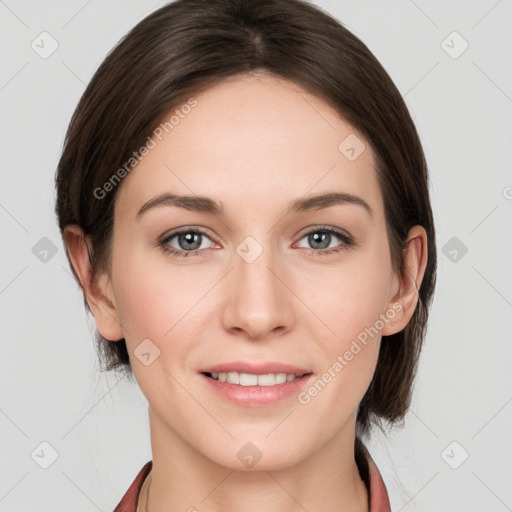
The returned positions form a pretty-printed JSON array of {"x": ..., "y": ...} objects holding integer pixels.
[
  {"x": 255, "y": 389},
  {"x": 249, "y": 379}
]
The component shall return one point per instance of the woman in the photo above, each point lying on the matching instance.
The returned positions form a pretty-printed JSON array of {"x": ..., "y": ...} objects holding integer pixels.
[{"x": 244, "y": 202}]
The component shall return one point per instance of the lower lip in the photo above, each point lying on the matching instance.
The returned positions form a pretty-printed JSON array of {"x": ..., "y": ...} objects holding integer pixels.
[{"x": 257, "y": 395}]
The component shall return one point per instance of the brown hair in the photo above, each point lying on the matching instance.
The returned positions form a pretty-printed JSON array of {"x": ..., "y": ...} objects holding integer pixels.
[{"x": 186, "y": 47}]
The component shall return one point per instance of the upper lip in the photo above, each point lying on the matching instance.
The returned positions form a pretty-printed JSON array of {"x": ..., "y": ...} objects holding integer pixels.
[{"x": 255, "y": 368}]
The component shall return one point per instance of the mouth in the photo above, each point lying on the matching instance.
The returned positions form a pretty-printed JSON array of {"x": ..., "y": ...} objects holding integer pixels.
[
  {"x": 251, "y": 379},
  {"x": 251, "y": 384}
]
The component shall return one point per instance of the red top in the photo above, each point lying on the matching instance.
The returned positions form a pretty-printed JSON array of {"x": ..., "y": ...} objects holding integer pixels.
[{"x": 378, "y": 495}]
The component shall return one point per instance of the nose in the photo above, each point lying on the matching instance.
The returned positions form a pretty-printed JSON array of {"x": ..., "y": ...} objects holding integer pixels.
[{"x": 258, "y": 302}]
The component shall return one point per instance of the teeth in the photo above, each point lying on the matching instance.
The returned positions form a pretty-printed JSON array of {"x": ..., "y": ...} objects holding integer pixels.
[
  {"x": 249, "y": 379},
  {"x": 267, "y": 380},
  {"x": 280, "y": 378},
  {"x": 245, "y": 379},
  {"x": 233, "y": 378}
]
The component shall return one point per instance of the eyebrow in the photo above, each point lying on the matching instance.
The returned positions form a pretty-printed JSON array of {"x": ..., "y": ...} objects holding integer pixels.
[{"x": 203, "y": 204}]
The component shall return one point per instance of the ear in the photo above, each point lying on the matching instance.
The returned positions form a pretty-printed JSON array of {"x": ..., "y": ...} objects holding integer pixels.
[
  {"x": 406, "y": 298},
  {"x": 97, "y": 289}
]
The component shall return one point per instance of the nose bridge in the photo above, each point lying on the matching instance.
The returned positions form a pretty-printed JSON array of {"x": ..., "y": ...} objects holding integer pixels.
[
  {"x": 258, "y": 302},
  {"x": 252, "y": 264}
]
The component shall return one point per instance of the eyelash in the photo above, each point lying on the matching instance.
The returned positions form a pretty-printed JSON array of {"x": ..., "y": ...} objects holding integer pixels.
[{"x": 346, "y": 239}]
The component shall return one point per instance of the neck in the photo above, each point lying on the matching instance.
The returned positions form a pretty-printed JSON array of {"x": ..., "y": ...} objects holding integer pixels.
[{"x": 183, "y": 479}]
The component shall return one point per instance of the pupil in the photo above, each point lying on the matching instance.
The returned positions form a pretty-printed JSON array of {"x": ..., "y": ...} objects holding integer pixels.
[
  {"x": 187, "y": 240},
  {"x": 320, "y": 238}
]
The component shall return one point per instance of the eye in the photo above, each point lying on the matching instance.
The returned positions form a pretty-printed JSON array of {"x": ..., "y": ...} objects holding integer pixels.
[
  {"x": 185, "y": 242},
  {"x": 191, "y": 241},
  {"x": 324, "y": 240}
]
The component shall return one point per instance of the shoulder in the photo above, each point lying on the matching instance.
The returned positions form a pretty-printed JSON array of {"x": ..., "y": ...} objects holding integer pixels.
[
  {"x": 379, "y": 498},
  {"x": 128, "y": 502}
]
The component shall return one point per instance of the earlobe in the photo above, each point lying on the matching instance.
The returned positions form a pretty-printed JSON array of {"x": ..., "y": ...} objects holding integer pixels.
[
  {"x": 95, "y": 287},
  {"x": 406, "y": 299}
]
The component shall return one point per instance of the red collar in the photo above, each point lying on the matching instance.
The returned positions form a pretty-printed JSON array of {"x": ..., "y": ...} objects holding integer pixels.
[{"x": 378, "y": 494}]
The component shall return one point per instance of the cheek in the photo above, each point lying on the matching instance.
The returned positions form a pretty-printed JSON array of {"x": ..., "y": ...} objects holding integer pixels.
[
  {"x": 157, "y": 300},
  {"x": 351, "y": 305},
  {"x": 143, "y": 309},
  {"x": 348, "y": 299},
  {"x": 139, "y": 300}
]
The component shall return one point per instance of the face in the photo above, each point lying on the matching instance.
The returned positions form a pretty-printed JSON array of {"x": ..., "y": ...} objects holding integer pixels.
[{"x": 244, "y": 284}]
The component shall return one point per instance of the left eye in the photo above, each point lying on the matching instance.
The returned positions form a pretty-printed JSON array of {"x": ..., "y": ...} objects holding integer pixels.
[{"x": 321, "y": 239}]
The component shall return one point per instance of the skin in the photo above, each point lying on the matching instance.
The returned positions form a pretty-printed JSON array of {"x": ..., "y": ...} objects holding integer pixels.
[{"x": 254, "y": 143}]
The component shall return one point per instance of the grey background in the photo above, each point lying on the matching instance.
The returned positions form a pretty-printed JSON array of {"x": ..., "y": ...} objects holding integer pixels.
[{"x": 51, "y": 390}]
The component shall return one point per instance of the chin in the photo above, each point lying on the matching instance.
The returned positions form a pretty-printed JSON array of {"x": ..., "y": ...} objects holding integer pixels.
[{"x": 253, "y": 453}]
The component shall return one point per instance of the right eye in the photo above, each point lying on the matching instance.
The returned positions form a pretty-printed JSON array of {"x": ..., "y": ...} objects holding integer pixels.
[{"x": 189, "y": 242}]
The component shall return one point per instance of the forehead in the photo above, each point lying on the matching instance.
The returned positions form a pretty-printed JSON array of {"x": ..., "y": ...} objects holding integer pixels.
[{"x": 254, "y": 141}]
